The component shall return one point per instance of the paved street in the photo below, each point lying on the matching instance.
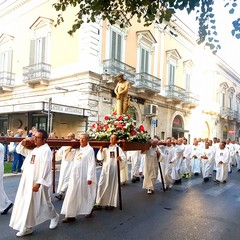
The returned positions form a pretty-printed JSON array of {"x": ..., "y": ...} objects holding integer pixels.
[{"x": 193, "y": 210}]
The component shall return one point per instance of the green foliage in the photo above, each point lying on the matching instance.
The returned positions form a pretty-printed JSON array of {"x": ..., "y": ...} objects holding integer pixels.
[
  {"x": 7, "y": 167},
  {"x": 150, "y": 11}
]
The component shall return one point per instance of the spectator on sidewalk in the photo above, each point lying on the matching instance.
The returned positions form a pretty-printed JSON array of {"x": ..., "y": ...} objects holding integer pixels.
[
  {"x": 18, "y": 158},
  {"x": 5, "y": 203}
]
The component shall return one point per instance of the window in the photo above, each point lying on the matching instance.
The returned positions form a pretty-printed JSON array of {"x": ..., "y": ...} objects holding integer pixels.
[
  {"x": 40, "y": 42},
  {"x": 171, "y": 73},
  {"x": 40, "y": 122},
  {"x": 223, "y": 99},
  {"x": 144, "y": 63},
  {"x": 146, "y": 42},
  {"x": 38, "y": 51},
  {"x": 187, "y": 65},
  {"x": 116, "y": 45},
  {"x": 230, "y": 102},
  {"x": 172, "y": 61},
  {"x": 6, "y": 53}
]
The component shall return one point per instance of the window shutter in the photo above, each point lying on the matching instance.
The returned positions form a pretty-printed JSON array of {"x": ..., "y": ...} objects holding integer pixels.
[
  {"x": 119, "y": 47},
  {"x": 9, "y": 64},
  {"x": 113, "y": 53},
  {"x": 32, "y": 52},
  {"x": 43, "y": 53}
]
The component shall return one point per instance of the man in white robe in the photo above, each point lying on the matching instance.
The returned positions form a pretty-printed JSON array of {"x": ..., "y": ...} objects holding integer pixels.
[
  {"x": 185, "y": 165},
  {"x": 33, "y": 203},
  {"x": 65, "y": 168},
  {"x": 177, "y": 161},
  {"x": 196, "y": 158},
  {"x": 167, "y": 154},
  {"x": 5, "y": 203},
  {"x": 207, "y": 155},
  {"x": 81, "y": 192},
  {"x": 107, "y": 192},
  {"x": 222, "y": 159},
  {"x": 135, "y": 158},
  {"x": 150, "y": 170}
]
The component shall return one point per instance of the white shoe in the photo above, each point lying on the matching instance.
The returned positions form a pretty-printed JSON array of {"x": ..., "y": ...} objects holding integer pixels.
[
  {"x": 149, "y": 191},
  {"x": 54, "y": 222},
  {"x": 25, "y": 232}
]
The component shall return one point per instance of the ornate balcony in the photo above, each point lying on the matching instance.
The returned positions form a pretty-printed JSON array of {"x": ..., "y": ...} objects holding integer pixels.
[
  {"x": 112, "y": 67},
  {"x": 7, "y": 80},
  {"x": 175, "y": 94},
  {"x": 37, "y": 74},
  {"x": 237, "y": 116},
  {"x": 190, "y": 99},
  {"x": 226, "y": 113},
  {"x": 145, "y": 82}
]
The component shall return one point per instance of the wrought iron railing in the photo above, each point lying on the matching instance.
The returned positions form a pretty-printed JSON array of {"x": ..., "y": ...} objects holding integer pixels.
[
  {"x": 114, "y": 67},
  {"x": 41, "y": 71},
  {"x": 228, "y": 112},
  {"x": 173, "y": 91},
  {"x": 191, "y": 98},
  {"x": 7, "y": 79},
  {"x": 148, "y": 81}
]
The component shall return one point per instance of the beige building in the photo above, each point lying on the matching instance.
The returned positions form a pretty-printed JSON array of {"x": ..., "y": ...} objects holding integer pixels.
[{"x": 64, "y": 83}]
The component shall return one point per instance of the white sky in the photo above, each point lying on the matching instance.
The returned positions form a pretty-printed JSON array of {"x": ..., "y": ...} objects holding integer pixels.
[
  {"x": 230, "y": 51},
  {"x": 230, "y": 46}
]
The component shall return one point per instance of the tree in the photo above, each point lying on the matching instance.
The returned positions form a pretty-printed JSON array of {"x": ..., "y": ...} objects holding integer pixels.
[{"x": 149, "y": 11}]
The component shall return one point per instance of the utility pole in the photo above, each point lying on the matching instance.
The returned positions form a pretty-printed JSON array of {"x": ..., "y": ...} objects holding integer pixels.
[{"x": 49, "y": 124}]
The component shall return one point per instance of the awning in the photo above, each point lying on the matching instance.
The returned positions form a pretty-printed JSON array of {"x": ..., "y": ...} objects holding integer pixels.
[
  {"x": 43, "y": 107},
  {"x": 179, "y": 129}
]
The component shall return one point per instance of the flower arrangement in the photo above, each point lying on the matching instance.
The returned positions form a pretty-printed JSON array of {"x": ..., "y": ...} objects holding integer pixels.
[{"x": 123, "y": 126}]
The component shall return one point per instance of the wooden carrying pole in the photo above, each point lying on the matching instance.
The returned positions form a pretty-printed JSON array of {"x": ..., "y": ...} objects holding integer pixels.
[
  {"x": 159, "y": 165},
  {"x": 119, "y": 182}
]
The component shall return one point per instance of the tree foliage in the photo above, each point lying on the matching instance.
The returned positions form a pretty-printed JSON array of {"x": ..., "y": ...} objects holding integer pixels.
[{"x": 149, "y": 11}]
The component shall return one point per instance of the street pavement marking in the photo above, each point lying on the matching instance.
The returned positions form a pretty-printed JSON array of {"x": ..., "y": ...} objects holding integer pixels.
[{"x": 218, "y": 189}]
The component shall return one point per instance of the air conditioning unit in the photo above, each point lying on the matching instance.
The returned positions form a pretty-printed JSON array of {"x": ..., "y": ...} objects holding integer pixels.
[{"x": 151, "y": 109}]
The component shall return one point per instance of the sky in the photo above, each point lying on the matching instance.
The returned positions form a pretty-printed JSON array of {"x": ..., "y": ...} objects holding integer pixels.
[{"x": 230, "y": 46}]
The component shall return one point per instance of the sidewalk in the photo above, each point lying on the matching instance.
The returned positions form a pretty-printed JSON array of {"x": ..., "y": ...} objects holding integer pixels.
[{"x": 17, "y": 174}]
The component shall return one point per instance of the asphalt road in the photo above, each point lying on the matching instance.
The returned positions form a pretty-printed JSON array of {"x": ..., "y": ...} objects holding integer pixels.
[{"x": 193, "y": 210}]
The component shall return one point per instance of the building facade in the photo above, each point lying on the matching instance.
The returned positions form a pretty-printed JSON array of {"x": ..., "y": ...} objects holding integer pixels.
[{"x": 64, "y": 83}]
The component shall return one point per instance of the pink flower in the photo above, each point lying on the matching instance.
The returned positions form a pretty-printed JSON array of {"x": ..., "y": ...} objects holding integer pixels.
[{"x": 119, "y": 126}]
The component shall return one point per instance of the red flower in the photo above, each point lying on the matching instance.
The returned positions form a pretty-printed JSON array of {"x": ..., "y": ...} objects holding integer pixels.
[
  {"x": 120, "y": 118},
  {"x": 106, "y": 127},
  {"x": 106, "y": 118},
  {"x": 141, "y": 128},
  {"x": 114, "y": 113},
  {"x": 133, "y": 132},
  {"x": 129, "y": 116},
  {"x": 94, "y": 125}
]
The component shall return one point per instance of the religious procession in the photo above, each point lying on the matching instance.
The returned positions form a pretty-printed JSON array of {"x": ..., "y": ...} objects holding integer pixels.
[{"x": 154, "y": 160}]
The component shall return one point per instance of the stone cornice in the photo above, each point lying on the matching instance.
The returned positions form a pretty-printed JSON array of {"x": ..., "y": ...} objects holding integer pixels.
[{"x": 12, "y": 7}]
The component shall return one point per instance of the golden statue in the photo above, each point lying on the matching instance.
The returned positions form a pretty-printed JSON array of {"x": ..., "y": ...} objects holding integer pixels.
[{"x": 121, "y": 91}]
